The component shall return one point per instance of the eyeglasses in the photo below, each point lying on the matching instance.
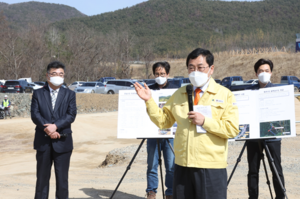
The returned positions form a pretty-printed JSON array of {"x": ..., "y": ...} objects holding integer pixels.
[
  {"x": 160, "y": 74},
  {"x": 56, "y": 74},
  {"x": 201, "y": 69}
]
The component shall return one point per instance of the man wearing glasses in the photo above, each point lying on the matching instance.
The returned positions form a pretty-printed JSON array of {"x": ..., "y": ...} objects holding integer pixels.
[
  {"x": 200, "y": 153},
  {"x": 53, "y": 109},
  {"x": 161, "y": 72}
]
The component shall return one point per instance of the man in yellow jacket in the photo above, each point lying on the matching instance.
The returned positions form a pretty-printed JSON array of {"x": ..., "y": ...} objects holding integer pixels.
[{"x": 200, "y": 158}]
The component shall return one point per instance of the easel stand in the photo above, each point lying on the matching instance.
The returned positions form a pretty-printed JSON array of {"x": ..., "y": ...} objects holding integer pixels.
[
  {"x": 134, "y": 156},
  {"x": 271, "y": 164}
]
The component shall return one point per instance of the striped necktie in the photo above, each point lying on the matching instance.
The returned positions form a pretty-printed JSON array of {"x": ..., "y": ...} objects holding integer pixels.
[
  {"x": 53, "y": 98},
  {"x": 197, "y": 96}
]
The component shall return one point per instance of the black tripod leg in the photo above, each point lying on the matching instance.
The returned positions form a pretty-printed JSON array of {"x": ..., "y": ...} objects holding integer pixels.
[
  {"x": 237, "y": 162},
  {"x": 264, "y": 163},
  {"x": 128, "y": 168},
  {"x": 170, "y": 146},
  {"x": 161, "y": 175},
  {"x": 274, "y": 168}
]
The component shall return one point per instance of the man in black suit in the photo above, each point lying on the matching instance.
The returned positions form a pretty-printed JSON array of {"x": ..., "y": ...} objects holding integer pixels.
[
  {"x": 263, "y": 69},
  {"x": 53, "y": 109}
]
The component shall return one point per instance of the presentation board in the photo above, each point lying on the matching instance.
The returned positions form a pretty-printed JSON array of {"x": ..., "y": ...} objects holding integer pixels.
[
  {"x": 268, "y": 112},
  {"x": 133, "y": 120}
]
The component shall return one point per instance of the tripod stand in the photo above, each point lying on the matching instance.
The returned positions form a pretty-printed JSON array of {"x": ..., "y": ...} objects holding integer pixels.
[
  {"x": 134, "y": 156},
  {"x": 271, "y": 164}
]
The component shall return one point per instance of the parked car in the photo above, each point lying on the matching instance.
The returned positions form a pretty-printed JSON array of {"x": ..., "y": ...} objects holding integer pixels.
[
  {"x": 235, "y": 83},
  {"x": 35, "y": 86},
  {"x": 179, "y": 82},
  {"x": 291, "y": 80},
  {"x": 40, "y": 83},
  {"x": 149, "y": 82},
  {"x": 27, "y": 79},
  {"x": 176, "y": 82},
  {"x": 14, "y": 86},
  {"x": 75, "y": 85},
  {"x": 185, "y": 81},
  {"x": 104, "y": 80},
  {"x": 1, "y": 87},
  {"x": 218, "y": 81},
  {"x": 29, "y": 88},
  {"x": 114, "y": 86},
  {"x": 90, "y": 87},
  {"x": 252, "y": 81}
]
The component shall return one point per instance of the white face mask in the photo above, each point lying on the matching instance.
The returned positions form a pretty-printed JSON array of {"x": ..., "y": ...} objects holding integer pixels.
[
  {"x": 198, "y": 79},
  {"x": 264, "y": 77},
  {"x": 56, "y": 81},
  {"x": 160, "y": 80}
]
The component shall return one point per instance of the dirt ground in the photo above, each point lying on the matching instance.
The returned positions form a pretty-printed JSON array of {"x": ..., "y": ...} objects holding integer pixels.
[{"x": 94, "y": 136}]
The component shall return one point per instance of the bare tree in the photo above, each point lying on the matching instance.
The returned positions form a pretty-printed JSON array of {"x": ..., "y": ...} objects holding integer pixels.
[
  {"x": 147, "y": 56},
  {"x": 12, "y": 52},
  {"x": 37, "y": 55},
  {"x": 82, "y": 53}
]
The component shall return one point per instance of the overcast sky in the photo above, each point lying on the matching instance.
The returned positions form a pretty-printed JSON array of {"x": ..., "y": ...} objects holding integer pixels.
[{"x": 93, "y": 7}]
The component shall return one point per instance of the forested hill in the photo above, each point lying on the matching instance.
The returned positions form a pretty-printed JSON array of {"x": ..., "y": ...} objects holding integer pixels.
[
  {"x": 20, "y": 15},
  {"x": 177, "y": 24}
]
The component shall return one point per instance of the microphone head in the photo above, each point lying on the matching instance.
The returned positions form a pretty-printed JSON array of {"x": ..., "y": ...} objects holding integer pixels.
[{"x": 189, "y": 89}]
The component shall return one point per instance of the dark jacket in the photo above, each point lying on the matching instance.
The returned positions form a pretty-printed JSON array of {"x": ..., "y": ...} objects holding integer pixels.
[
  {"x": 167, "y": 86},
  {"x": 63, "y": 115}
]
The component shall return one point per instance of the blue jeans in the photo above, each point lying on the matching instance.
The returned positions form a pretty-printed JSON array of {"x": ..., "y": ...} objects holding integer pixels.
[{"x": 152, "y": 161}]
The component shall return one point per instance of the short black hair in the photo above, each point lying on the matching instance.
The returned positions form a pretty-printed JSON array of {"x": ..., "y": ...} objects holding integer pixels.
[
  {"x": 55, "y": 64},
  {"x": 262, "y": 62},
  {"x": 199, "y": 51},
  {"x": 164, "y": 65}
]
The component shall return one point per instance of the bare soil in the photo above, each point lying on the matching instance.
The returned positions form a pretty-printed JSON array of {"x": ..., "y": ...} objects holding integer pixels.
[{"x": 95, "y": 135}]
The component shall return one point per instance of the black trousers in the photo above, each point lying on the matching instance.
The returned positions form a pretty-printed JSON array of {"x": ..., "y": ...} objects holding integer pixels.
[
  {"x": 197, "y": 183},
  {"x": 61, "y": 166},
  {"x": 254, "y": 157}
]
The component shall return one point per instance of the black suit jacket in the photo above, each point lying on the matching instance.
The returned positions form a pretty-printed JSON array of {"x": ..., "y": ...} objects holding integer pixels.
[{"x": 63, "y": 115}]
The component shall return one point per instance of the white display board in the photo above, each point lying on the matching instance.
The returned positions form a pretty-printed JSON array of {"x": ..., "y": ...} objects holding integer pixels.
[
  {"x": 268, "y": 112},
  {"x": 133, "y": 120}
]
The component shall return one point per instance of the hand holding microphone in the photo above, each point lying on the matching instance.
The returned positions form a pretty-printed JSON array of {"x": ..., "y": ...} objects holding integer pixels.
[
  {"x": 56, "y": 135},
  {"x": 197, "y": 118}
]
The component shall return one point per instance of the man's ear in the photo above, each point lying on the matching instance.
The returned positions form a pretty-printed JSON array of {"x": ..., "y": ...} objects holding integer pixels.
[{"x": 212, "y": 69}]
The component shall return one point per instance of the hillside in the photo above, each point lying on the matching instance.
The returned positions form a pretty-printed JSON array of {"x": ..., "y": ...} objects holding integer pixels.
[
  {"x": 22, "y": 14},
  {"x": 220, "y": 25},
  {"x": 239, "y": 65}
]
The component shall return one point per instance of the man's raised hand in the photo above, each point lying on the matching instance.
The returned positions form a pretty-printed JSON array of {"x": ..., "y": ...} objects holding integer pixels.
[{"x": 143, "y": 93}]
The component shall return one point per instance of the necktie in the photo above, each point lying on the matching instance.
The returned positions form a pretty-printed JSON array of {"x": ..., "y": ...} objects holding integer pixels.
[
  {"x": 53, "y": 98},
  {"x": 197, "y": 96}
]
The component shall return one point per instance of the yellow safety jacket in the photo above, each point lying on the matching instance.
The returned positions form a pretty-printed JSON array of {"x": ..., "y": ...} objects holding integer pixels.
[
  {"x": 199, "y": 150},
  {"x": 5, "y": 103}
]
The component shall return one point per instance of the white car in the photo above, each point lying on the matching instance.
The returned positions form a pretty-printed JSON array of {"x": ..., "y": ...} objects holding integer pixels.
[
  {"x": 35, "y": 86},
  {"x": 252, "y": 81},
  {"x": 75, "y": 85},
  {"x": 90, "y": 87}
]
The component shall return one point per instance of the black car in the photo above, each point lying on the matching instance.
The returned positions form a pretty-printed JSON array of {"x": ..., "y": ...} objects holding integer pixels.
[{"x": 14, "y": 86}]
